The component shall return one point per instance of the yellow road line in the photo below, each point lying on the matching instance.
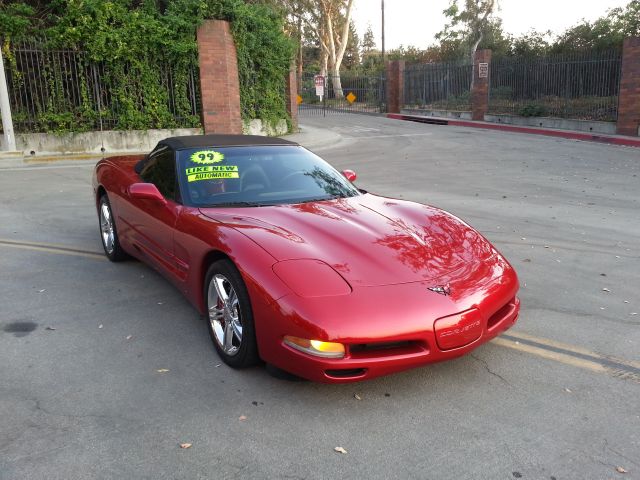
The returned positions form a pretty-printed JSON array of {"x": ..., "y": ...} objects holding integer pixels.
[
  {"x": 569, "y": 355},
  {"x": 550, "y": 355},
  {"x": 571, "y": 348},
  {"x": 51, "y": 248}
]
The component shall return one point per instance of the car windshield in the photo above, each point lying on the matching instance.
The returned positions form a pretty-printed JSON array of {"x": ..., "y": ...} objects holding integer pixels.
[{"x": 257, "y": 176}]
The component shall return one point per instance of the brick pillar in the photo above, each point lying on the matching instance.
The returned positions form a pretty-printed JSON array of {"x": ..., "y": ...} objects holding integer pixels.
[
  {"x": 219, "y": 83},
  {"x": 480, "y": 90},
  {"x": 291, "y": 95},
  {"x": 395, "y": 86},
  {"x": 629, "y": 99}
]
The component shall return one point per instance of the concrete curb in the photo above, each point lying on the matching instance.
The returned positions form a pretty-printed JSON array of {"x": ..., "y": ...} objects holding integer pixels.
[
  {"x": 62, "y": 159},
  {"x": 315, "y": 138},
  {"x": 589, "y": 137}
]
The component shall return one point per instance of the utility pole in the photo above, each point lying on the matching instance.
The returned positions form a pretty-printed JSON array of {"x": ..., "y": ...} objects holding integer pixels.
[
  {"x": 5, "y": 111},
  {"x": 383, "y": 52}
]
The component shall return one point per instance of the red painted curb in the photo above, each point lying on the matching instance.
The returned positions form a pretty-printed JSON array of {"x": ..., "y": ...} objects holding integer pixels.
[{"x": 589, "y": 137}]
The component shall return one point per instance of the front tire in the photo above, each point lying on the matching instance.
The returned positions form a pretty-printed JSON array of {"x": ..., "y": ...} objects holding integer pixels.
[
  {"x": 108, "y": 232},
  {"x": 229, "y": 315}
]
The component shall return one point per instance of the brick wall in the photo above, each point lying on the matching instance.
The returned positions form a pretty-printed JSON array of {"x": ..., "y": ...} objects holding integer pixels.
[
  {"x": 629, "y": 100},
  {"x": 480, "y": 91},
  {"x": 291, "y": 96},
  {"x": 395, "y": 85},
  {"x": 219, "y": 85}
]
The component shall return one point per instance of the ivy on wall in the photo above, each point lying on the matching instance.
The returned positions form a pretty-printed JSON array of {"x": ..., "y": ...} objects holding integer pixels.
[{"x": 141, "y": 47}]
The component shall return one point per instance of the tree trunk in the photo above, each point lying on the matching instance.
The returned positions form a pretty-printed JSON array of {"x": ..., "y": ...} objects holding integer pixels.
[
  {"x": 473, "y": 59},
  {"x": 337, "y": 83},
  {"x": 324, "y": 64}
]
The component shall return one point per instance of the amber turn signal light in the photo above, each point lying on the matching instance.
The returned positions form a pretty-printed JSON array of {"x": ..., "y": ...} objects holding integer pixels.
[{"x": 317, "y": 348}]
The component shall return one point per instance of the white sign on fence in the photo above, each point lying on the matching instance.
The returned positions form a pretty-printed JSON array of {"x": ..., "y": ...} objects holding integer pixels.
[
  {"x": 483, "y": 70},
  {"x": 319, "y": 81}
]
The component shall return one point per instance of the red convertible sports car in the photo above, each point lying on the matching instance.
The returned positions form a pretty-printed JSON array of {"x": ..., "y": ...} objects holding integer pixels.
[{"x": 293, "y": 265}]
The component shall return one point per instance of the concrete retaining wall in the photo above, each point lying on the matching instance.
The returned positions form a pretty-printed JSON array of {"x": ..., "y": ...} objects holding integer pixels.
[
  {"x": 257, "y": 127},
  {"x": 605, "y": 128},
  {"x": 438, "y": 113},
  {"x": 34, "y": 145}
]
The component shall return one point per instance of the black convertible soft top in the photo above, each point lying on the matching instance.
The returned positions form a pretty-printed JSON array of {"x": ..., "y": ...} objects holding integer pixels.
[
  {"x": 194, "y": 141},
  {"x": 213, "y": 141}
]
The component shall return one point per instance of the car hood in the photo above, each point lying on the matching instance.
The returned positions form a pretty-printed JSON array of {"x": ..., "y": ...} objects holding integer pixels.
[{"x": 369, "y": 240}]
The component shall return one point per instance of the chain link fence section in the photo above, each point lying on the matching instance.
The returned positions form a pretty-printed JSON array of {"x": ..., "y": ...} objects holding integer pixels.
[
  {"x": 583, "y": 86},
  {"x": 438, "y": 86},
  {"x": 59, "y": 90}
]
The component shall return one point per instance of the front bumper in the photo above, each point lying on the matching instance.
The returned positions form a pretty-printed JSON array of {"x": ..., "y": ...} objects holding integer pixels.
[{"x": 367, "y": 358}]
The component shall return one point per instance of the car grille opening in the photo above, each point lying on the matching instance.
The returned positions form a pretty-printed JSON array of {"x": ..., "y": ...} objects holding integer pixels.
[
  {"x": 501, "y": 313},
  {"x": 384, "y": 349},
  {"x": 346, "y": 372}
]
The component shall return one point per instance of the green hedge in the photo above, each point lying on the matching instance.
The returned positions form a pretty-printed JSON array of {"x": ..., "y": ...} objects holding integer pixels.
[{"x": 135, "y": 39}]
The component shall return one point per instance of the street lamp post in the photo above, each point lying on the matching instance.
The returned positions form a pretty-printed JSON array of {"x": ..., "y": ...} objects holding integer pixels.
[
  {"x": 5, "y": 111},
  {"x": 383, "y": 51}
]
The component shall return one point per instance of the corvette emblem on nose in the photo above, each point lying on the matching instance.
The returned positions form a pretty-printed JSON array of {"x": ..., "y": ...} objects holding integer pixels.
[{"x": 441, "y": 289}]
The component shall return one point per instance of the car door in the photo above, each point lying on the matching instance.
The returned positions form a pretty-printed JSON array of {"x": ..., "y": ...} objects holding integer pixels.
[{"x": 152, "y": 222}]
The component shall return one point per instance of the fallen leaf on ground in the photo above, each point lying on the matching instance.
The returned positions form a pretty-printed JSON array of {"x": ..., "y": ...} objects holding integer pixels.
[
  {"x": 340, "y": 450},
  {"x": 357, "y": 397},
  {"x": 242, "y": 418},
  {"x": 185, "y": 445},
  {"x": 50, "y": 328},
  {"x": 162, "y": 370},
  {"x": 621, "y": 470}
]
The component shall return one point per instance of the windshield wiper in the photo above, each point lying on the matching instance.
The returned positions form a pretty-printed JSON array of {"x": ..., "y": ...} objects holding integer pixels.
[
  {"x": 240, "y": 204},
  {"x": 317, "y": 199}
]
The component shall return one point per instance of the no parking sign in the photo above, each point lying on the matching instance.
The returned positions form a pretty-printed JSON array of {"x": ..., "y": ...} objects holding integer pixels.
[{"x": 319, "y": 81}]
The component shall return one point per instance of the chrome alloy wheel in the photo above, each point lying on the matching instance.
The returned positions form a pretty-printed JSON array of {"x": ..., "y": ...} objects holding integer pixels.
[
  {"x": 106, "y": 227},
  {"x": 224, "y": 314}
]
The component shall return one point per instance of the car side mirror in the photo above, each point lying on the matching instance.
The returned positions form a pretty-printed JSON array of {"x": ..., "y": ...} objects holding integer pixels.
[
  {"x": 147, "y": 191},
  {"x": 349, "y": 175}
]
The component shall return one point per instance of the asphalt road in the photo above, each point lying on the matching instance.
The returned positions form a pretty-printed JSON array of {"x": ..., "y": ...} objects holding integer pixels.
[{"x": 82, "y": 340}]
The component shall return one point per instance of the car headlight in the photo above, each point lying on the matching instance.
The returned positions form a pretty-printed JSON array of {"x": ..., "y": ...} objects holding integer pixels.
[
  {"x": 311, "y": 278},
  {"x": 317, "y": 348}
]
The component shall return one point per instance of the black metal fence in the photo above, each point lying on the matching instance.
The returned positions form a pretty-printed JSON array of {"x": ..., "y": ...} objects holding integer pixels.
[
  {"x": 580, "y": 86},
  {"x": 438, "y": 86},
  {"x": 348, "y": 93},
  {"x": 59, "y": 90}
]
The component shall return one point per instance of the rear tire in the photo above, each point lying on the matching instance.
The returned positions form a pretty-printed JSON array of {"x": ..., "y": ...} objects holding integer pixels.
[
  {"x": 229, "y": 315},
  {"x": 108, "y": 232}
]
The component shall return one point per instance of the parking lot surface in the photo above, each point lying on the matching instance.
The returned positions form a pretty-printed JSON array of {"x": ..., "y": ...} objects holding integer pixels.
[{"x": 105, "y": 368}]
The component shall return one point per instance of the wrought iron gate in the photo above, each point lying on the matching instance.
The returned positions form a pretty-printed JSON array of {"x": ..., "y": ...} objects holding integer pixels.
[{"x": 358, "y": 94}]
